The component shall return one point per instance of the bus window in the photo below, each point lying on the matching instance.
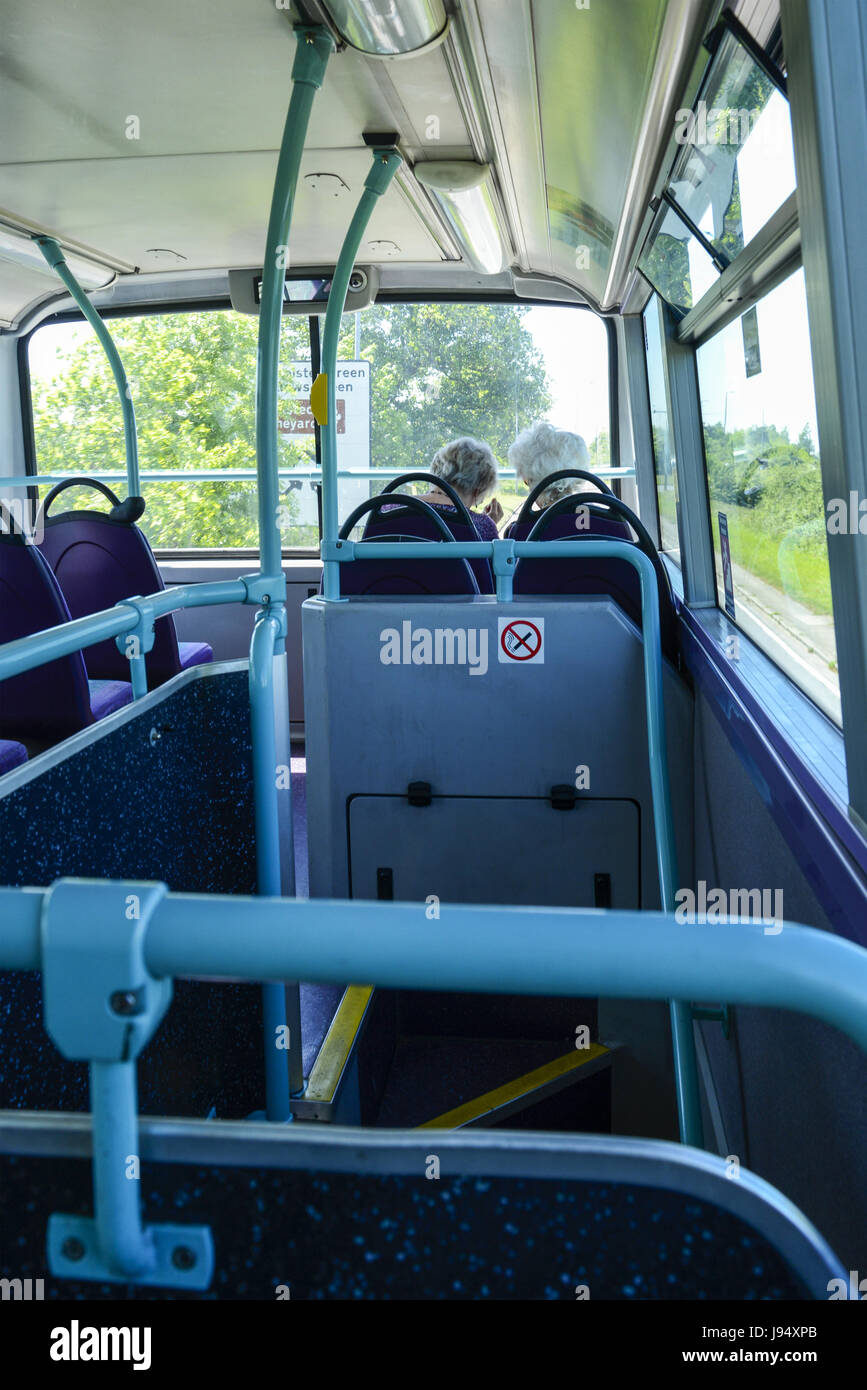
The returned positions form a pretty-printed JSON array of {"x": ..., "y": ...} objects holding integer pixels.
[
  {"x": 440, "y": 370},
  {"x": 664, "y": 460},
  {"x": 737, "y": 163},
  {"x": 735, "y": 168},
  {"x": 409, "y": 378},
  {"x": 765, "y": 488},
  {"x": 192, "y": 381}
]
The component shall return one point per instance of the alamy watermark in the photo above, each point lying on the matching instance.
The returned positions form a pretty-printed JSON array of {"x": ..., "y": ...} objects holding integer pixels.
[
  {"x": 846, "y": 517},
  {"x": 440, "y": 646},
  {"x": 705, "y": 904},
  {"x": 715, "y": 125},
  {"x": 20, "y": 516},
  {"x": 77, "y": 1343},
  {"x": 22, "y": 1290}
]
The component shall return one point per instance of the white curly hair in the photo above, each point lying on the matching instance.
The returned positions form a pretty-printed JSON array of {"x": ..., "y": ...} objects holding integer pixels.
[
  {"x": 469, "y": 465},
  {"x": 541, "y": 450}
]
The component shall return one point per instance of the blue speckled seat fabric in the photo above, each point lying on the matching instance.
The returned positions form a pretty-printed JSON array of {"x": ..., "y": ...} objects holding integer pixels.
[{"x": 376, "y": 1236}]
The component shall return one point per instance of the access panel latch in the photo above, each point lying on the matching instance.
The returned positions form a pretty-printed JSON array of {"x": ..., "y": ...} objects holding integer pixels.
[{"x": 563, "y": 797}]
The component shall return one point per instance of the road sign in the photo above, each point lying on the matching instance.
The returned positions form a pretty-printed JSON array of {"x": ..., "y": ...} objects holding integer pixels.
[
  {"x": 726, "y": 557},
  {"x": 296, "y": 425}
]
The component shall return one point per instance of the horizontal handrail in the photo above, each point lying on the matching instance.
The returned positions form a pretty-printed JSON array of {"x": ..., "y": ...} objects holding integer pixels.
[
  {"x": 569, "y": 952},
  {"x": 199, "y": 475},
  {"x": 608, "y": 548},
  {"x": 26, "y": 653}
]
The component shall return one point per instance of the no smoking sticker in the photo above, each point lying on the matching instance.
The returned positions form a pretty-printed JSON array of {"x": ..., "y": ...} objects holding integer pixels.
[{"x": 521, "y": 639}]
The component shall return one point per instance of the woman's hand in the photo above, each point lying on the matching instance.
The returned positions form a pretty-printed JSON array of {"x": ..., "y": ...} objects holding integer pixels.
[{"x": 494, "y": 511}]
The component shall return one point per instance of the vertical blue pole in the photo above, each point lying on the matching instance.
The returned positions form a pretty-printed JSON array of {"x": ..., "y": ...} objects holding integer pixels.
[
  {"x": 386, "y": 162},
  {"x": 114, "y": 1107},
  {"x": 55, "y": 258},
  {"x": 315, "y": 46},
  {"x": 280, "y": 1003},
  {"x": 138, "y": 677},
  {"x": 682, "y": 1038}
]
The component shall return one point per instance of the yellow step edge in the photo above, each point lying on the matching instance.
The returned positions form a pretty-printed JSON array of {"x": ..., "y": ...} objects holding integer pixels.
[
  {"x": 531, "y": 1080},
  {"x": 335, "y": 1050}
]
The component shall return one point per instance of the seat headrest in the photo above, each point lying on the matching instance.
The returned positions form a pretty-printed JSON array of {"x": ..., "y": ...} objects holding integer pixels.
[{"x": 129, "y": 510}]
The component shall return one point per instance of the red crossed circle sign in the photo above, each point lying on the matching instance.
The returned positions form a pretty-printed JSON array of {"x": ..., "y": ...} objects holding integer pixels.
[{"x": 521, "y": 640}]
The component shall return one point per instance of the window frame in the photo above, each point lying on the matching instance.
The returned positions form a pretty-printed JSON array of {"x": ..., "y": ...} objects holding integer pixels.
[
  {"x": 771, "y": 284},
  {"x": 223, "y": 303}
]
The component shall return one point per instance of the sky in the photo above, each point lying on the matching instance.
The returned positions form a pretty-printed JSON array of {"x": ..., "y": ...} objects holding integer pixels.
[
  {"x": 574, "y": 343},
  {"x": 782, "y": 394}
]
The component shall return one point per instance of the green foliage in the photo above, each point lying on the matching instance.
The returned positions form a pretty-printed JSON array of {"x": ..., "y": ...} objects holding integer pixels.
[
  {"x": 191, "y": 379},
  {"x": 438, "y": 370},
  {"x": 771, "y": 492},
  {"x": 444, "y": 370}
]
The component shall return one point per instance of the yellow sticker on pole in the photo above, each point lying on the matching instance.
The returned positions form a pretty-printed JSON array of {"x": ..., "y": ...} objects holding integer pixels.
[{"x": 319, "y": 399}]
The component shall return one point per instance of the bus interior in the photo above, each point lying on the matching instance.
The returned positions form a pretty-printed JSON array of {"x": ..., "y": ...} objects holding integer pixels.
[{"x": 397, "y": 906}]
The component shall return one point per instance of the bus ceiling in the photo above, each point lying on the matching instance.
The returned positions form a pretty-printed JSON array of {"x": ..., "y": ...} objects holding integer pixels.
[{"x": 147, "y": 146}]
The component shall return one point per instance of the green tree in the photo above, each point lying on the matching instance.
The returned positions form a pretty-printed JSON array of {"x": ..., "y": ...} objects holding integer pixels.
[
  {"x": 442, "y": 370},
  {"x": 437, "y": 370},
  {"x": 191, "y": 380}
]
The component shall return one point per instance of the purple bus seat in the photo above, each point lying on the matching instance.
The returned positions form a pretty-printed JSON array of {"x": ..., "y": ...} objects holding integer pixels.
[
  {"x": 11, "y": 755},
  {"x": 565, "y": 576},
  {"x": 410, "y": 520},
  {"x": 107, "y": 696},
  {"x": 194, "y": 654},
  {"x": 52, "y": 701},
  {"x": 101, "y": 558},
  {"x": 615, "y": 578},
  {"x": 461, "y": 525}
]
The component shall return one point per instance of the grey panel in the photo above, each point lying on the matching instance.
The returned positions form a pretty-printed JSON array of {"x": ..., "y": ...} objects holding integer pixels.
[
  {"x": 696, "y": 540},
  {"x": 793, "y": 1092},
  {"x": 826, "y": 44},
  {"x": 469, "y": 849},
  {"x": 516, "y": 730},
  {"x": 513, "y": 732}
]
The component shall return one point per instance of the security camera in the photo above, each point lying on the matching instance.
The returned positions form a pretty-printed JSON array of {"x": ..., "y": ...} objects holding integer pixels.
[{"x": 357, "y": 281}]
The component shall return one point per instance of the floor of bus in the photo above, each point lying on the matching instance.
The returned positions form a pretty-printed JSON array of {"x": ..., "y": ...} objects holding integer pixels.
[{"x": 444, "y": 1056}]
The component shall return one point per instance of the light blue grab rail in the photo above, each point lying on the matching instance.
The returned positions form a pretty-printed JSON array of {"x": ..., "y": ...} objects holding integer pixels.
[
  {"x": 281, "y": 1003},
  {"x": 56, "y": 259},
  {"x": 504, "y": 556},
  {"x": 75, "y": 929},
  {"x": 217, "y": 475},
  {"x": 26, "y": 653},
  {"x": 495, "y": 950},
  {"x": 386, "y": 162}
]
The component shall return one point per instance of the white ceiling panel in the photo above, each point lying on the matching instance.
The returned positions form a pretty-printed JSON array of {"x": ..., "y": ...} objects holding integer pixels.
[
  {"x": 202, "y": 78},
  {"x": 554, "y": 96},
  {"x": 210, "y": 209}
]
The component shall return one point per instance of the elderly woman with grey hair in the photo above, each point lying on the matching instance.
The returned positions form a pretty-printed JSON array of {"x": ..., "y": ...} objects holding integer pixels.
[
  {"x": 542, "y": 450},
  {"x": 470, "y": 468}
]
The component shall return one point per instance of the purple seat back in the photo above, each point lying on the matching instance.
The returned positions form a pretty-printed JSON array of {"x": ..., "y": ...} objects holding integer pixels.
[
  {"x": 99, "y": 562},
  {"x": 617, "y": 579},
  {"x": 50, "y": 701},
  {"x": 11, "y": 755},
  {"x": 407, "y": 576},
  {"x": 567, "y": 576}
]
